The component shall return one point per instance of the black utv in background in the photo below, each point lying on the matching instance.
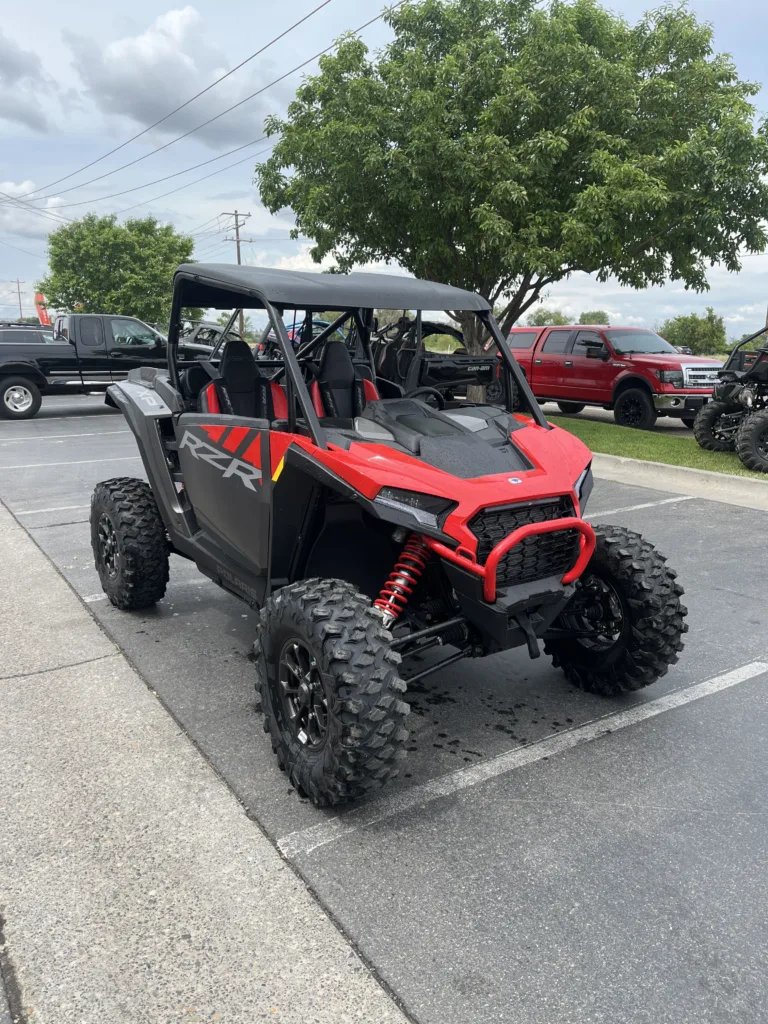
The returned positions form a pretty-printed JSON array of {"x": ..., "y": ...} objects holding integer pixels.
[
  {"x": 83, "y": 353},
  {"x": 736, "y": 419}
]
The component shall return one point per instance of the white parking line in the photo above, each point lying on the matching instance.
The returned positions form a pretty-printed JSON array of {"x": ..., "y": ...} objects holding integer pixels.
[
  {"x": 49, "y": 437},
  {"x": 59, "y": 508},
  {"x": 330, "y": 830},
  {"x": 83, "y": 462},
  {"x": 646, "y": 504}
]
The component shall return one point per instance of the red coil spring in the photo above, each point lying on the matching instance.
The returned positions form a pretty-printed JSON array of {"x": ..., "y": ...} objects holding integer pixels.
[{"x": 406, "y": 574}]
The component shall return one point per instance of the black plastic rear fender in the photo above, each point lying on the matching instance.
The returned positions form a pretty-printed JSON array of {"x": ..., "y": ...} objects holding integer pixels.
[{"x": 144, "y": 410}]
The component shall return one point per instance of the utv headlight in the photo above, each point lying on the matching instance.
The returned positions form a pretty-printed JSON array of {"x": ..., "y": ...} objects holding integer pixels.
[
  {"x": 583, "y": 487},
  {"x": 673, "y": 377},
  {"x": 427, "y": 509}
]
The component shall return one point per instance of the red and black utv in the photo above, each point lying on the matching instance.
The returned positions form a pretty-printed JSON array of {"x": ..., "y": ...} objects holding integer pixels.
[{"x": 369, "y": 526}]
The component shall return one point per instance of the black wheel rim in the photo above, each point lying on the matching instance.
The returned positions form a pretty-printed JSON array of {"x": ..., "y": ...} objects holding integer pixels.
[
  {"x": 762, "y": 444},
  {"x": 304, "y": 698},
  {"x": 108, "y": 552},
  {"x": 596, "y": 613},
  {"x": 632, "y": 412}
]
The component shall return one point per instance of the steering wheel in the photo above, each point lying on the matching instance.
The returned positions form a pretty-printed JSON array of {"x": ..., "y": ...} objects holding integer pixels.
[{"x": 430, "y": 393}]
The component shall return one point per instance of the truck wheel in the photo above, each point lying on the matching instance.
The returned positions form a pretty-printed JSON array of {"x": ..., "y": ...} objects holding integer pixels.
[
  {"x": 129, "y": 543},
  {"x": 629, "y": 602},
  {"x": 688, "y": 421},
  {"x": 752, "y": 441},
  {"x": 20, "y": 398},
  {"x": 570, "y": 408},
  {"x": 634, "y": 408},
  {"x": 706, "y": 427},
  {"x": 330, "y": 690}
]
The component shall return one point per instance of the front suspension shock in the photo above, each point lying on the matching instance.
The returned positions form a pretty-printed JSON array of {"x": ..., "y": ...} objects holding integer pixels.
[{"x": 403, "y": 579}]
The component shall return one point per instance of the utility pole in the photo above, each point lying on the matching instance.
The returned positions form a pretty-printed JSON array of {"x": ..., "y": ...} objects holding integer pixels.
[
  {"x": 238, "y": 224},
  {"x": 18, "y": 289}
]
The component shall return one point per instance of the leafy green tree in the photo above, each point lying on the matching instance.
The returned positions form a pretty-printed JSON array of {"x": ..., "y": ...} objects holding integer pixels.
[
  {"x": 250, "y": 330},
  {"x": 704, "y": 335},
  {"x": 99, "y": 266},
  {"x": 544, "y": 317},
  {"x": 594, "y": 316},
  {"x": 499, "y": 145}
]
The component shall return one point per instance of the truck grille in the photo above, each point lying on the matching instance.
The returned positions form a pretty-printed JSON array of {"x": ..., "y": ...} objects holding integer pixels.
[
  {"x": 536, "y": 557},
  {"x": 701, "y": 376}
]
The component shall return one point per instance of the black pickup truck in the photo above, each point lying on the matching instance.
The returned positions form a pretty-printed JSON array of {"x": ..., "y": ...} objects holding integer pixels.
[{"x": 84, "y": 353}]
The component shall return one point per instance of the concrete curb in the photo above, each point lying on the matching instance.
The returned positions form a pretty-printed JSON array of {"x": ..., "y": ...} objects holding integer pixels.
[
  {"x": 133, "y": 885},
  {"x": 700, "y": 483}
]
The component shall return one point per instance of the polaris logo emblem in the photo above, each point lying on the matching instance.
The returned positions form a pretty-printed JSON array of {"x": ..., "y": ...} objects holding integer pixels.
[
  {"x": 223, "y": 462},
  {"x": 514, "y": 480}
]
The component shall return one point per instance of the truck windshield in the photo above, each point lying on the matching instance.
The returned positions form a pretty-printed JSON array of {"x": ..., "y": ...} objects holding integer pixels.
[{"x": 626, "y": 342}]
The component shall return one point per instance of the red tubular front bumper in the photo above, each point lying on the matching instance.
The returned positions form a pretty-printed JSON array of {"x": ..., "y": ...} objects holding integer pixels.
[{"x": 464, "y": 558}]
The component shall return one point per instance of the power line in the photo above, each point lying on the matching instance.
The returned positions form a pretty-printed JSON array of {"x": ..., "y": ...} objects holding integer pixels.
[
  {"x": 16, "y": 247},
  {"x": 194, "y": 181},
  {"x": 156, "y": 181},
  {"x": 216, "y": 117},
  {"x": 197, "y": 95}
]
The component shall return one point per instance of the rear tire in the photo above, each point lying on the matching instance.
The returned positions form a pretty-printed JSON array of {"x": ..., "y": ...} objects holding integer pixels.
[
  {"x": 339, "y": 732},
  {"x": 571, "y": 408},
  {"x": 627, "y": 586},
  {"x": 634, "y": 408},
  {"x": 752, "y": 441},
  {"x": 705, "y": 427},
  {"x": 20, "y": 398},
  {"x": 129, "y": 543}
]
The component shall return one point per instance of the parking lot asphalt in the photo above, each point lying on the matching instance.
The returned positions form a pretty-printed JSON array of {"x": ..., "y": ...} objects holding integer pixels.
[{"x": 620, "y": 880}]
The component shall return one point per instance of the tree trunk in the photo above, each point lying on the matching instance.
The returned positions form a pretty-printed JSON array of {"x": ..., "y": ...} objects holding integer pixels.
[{"x": 475, "y": 337}]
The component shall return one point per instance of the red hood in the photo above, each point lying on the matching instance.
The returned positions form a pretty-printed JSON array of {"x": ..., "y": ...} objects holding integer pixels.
[{"x": 667, "y": 360}]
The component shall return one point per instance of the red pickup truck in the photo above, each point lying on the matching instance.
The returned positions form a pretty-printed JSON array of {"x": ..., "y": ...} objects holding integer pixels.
[{"x": 631, "y": 370}]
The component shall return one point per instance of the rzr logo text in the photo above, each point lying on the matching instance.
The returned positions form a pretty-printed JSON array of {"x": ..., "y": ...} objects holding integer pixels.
[{"x": 228, "y": 466}]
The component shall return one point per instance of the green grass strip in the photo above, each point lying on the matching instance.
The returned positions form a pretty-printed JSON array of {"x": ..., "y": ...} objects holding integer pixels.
[{"x": 651, "y": 446}]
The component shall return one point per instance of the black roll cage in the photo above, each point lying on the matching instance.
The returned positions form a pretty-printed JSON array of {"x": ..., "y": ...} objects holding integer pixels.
[
  {"x": 291, "y": 369},
  {"x": 746, "y": 341}
]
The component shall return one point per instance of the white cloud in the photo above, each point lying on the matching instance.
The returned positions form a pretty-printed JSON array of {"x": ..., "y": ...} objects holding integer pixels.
[{"x": 144, "y": 76}]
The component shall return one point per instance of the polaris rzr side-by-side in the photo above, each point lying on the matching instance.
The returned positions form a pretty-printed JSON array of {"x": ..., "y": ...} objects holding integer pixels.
[
  {"x": 736, "y": 418},
  {"x": 368, "y": 526}
]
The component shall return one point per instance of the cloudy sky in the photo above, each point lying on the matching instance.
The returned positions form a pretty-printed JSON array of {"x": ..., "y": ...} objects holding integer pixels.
[{"x": 77, "y": 80}]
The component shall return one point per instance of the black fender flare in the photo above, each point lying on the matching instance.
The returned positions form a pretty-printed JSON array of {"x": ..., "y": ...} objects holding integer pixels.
[
  {"x": 20, "y": 368},
  {"x": 626, "y": 383}
]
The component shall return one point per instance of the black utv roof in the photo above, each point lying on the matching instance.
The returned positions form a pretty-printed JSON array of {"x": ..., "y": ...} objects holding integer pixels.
[{"x": 227, "y": 286}]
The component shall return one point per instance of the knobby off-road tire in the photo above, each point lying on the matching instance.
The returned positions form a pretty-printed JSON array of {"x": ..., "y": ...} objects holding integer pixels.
[
  {"x": 652, "y": 618},
  {"x": 129, "y": 543},
  {"x": 20, "y": 398},
  {"x": 634, "y": 408},
  {"x": 570, "y": 408},
  {"x": 752, "y": 441},
  {"x": 355, "y": 673},
  {"x": 705, "y": 427}
]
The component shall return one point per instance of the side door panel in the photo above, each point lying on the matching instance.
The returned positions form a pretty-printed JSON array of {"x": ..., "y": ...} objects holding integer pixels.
[
  {"x": 548, "y": 364},
  {"x": 225, "y": 464},
  {"x": 586, "y": 378},
  {"x": 130, "y": 344},
  {"x": 87, "y": 334}
]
